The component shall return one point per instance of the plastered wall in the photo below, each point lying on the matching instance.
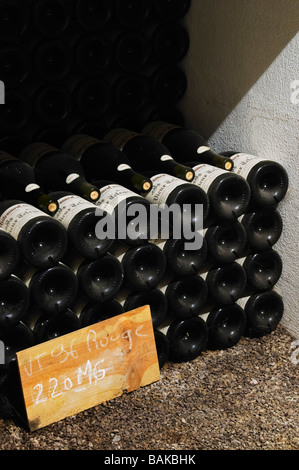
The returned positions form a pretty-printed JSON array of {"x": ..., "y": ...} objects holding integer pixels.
[{"x": 243, "y": 94}]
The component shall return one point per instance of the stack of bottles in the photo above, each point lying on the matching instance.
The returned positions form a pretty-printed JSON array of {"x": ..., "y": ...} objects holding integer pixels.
[
  {"x": 71, "y": 65},
  {"x": 68, "y": 260}
]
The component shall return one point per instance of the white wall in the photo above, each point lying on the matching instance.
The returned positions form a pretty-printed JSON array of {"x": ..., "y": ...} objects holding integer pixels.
[{"x": 240, "y": 97}]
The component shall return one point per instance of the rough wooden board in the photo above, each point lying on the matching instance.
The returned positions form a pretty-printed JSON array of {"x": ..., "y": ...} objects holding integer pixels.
[{"x": 77, "y": 371}]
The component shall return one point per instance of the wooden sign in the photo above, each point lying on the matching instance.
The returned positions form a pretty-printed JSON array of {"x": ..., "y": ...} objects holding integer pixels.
[{"x": 77, "y": 371}]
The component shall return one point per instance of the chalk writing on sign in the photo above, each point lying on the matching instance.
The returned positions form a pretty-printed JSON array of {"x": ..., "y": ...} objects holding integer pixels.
[{"x": 88, "y": 366}]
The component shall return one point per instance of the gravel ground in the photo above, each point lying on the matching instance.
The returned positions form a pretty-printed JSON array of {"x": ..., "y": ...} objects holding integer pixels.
[{"x": 243, "y": 398}]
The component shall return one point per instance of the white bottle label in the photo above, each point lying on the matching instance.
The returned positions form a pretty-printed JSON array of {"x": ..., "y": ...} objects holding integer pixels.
[
  {"x": 244, "y": 162},
  {"x": 163, "y": 184},
  {"x": 69, "y": 206},
  {"x": 165, "y": 158},
  {"x": 204, "y": 316},
  {"x": 15, "y": 217},
  {"x": 71, "y": 178},
  {"x": 241, "y": 261},
  {"x": 112, "y": 195},
  {"x": 123, "y": 166},
  {"x": 205, "y": 175},
  {"x": 31, "y": 187},
  {"x": 202, "y": 149},
  {"x": 242, "y": 301}
]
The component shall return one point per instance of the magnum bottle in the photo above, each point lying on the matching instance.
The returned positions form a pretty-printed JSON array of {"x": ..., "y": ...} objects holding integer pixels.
[
  {"x": 229, "y": 193},
  {"x": 263, "y": 310},
  {"x": 9, "y": 254},
  {"x": 187, "y": 338},
  {"x": 131, "y": 299},
  {"x": 263, "y": 269},
  {"x": 226, "y": 325},
  {"x": 14, "y": 301},
  {"x": 186, "y": 145},
  {"x": 46, "y": 327},
  {"x": 58, "y": 171},
  {"x": 53, "y": 289},
  {"x": 226, "y": 241},
  {"x": 181, "y": 260},
  {"x": 268, "y": 180},
  {"x": 185, "y": 297},
  {"x": 79, "y": 218},
  {"x": 144, "y": 265},
  {"x": 101, "y": 160},
  {"x": 162, "y": 346},
  {"x": 146, "y": 153},
  {"x": 42, "y": 239},
  {"x": 15, "y": 339},
  {"x": 93, "y": 312},
  {"x": 263, "y": 228},
  {"x": 226, "y": 283},
  {"x": 98, "y": 279},
  {"x": 18, "y": 181}
]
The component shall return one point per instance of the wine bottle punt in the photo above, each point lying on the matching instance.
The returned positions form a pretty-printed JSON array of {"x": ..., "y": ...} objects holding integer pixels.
[
  {"x": 15, "y": 339},
  {"x": 268, "y": 180},
  {"x": 263, "y": 269},
  {"x": 124, "y": 205},
  {"x": 94, "y": 54},
  {"x": 168, "y": 85},
  {"x": 94, "y": 312},
  {"x": 14, "y": 301},
  {"x": 226, "y": 283},
  {"x": 18, "y": 181},
  {"x": 185, "y": 297},
  {"x": 187, "y": 338},
  {"x": 100, "y": 279},
  {"x": 79, "y": 218},
  {"x": 53, "y": 60},
  {"x": 263, "y": 228},
  {"x": 132, "y": 51},
  {"x": 186, "y": 145},
  {"x": 170, "y": 42},
  {"x": 53, "y": 289},
  {"x": 181, "y": 261},
  {"x": 92, "y": 14},
  {"x": 226, "y": 325},
  {"x": 51, "y": 17},
  {"x": 53, "y": 104},
  {"x": 226, "y": 241},
  {"x": 102, "y": 160},
  {"x": 42, "y": 239},
  {"x": 154, "y": 298},
  {"x": 132, "y": 13},
  {"x": 9, "y": 254},
  {"x": 131, "y": 93},
  {"x": 229, "y": 193},
  {"x": 162, "y": 346},
  {"x": 143, "y": 265},
  {"x": 263, "y": 310},
  {"x": 13, "y": 21},
  {"x": 15, "y": 65},
  {"x": 146, "y": 153},
  {"x": 58, "y": 171}
]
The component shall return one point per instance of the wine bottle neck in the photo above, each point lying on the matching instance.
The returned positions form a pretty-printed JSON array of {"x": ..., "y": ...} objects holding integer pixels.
[
  {"x": 78, "y": 185},
  {"x": 43, "y": 201}
]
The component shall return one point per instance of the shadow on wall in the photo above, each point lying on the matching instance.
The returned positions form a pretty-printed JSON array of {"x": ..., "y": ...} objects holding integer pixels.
[{"x": 232, "y": 43}]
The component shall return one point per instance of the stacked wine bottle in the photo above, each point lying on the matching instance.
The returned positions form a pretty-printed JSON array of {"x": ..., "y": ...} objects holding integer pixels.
[{"x": 59, "y": 273}]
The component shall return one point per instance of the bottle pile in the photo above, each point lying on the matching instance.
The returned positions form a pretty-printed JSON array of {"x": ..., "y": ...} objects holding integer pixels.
[
  {"x": 58, "y": 274},
  {"x": 85, "y": 65}
]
